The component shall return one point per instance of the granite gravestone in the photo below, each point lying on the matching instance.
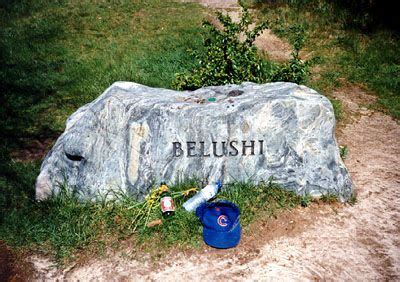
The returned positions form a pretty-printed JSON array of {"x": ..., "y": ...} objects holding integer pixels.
[{"x": 133, "y": 136}]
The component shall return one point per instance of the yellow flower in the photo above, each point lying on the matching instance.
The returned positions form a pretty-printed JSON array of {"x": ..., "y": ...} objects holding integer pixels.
[
  {"x": 187, "y": 192},
  {"x": 163, "y": 188}
]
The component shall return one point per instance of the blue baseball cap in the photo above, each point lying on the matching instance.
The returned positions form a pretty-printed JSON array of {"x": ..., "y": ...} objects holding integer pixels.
[{"x": 221, "y": 224}]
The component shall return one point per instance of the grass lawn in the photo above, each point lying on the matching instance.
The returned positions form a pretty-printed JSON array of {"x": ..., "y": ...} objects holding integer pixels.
[{"x": 57, "y": 57}]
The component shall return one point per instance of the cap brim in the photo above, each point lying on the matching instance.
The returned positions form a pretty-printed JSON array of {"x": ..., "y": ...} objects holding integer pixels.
[{"x": 222, "y": 240}]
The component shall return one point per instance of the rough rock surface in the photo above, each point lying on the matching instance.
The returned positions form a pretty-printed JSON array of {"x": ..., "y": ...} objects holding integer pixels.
[{"x": 133, "y": 136}]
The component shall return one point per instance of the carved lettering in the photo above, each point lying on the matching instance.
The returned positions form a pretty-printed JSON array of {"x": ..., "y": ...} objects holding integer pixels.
[
  {"x": 219, "y": 148},
  {"x": 177, "y": 149},
  {"x": 261, "y": 146},
  {"x": 191, "y": 146},
  {"x": 202, "y": 149},
  {"x": 235, "y": 150},
  {"x": 215, "y": 149},
  {"x": 244, "y": 147}
]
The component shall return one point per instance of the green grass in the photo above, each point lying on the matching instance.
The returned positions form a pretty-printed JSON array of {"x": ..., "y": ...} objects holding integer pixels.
[
  {"x": 330, "y": 198},
  {"x": 58, "y": 56},
  {"x": 66, "y": 228},
  {"x": 371, "y": 59},
  {"x": 375, "y": 61}
]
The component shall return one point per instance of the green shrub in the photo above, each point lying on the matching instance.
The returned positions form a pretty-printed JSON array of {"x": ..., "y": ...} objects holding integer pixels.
[
  {"x": 227, "y": 57},
  {"x": 296, "y": 70},
  {"x": 230, "y": 56}
]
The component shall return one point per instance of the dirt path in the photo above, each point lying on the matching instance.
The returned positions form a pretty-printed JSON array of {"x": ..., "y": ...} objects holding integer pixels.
[{"x": 13, "y": 267}]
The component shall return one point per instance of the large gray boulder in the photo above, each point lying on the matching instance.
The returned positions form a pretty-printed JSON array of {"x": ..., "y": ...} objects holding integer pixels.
[{"x": 134, "y": 136}]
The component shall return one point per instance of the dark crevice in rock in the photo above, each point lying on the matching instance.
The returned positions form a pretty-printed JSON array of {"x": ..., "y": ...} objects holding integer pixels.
[
  {"x": 235, "y": 93},
  {"x": 75, "y": 158}
]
